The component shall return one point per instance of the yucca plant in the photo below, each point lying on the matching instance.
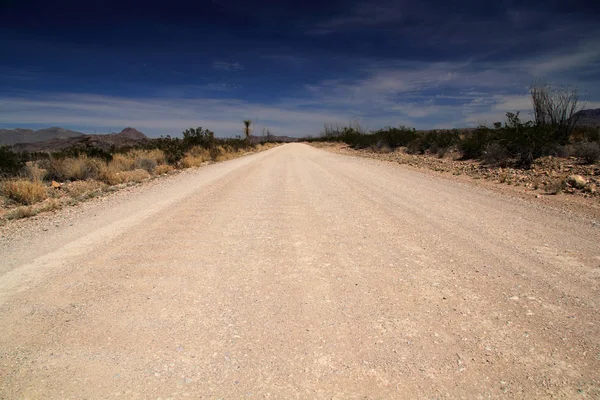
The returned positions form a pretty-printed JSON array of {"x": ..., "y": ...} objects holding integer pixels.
[{"x": 247, "y": 124}]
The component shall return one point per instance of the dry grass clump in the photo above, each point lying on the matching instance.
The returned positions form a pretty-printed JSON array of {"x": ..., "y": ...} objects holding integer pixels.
[
  {"x": 50, "y": 205},
  {"x": 21, "y": 212},
  {"x": 80, "y": 168},
  {"x": 86, "y": 177},
  {"x": 79, "y": 188},
  {"x": 34, "y": 172},
  {"x": 24, "y": 191},
  {"x": 112, "y": 176},
  {"x": 156, "y": 155},
  {"x": 138, "y": 159},
  {"x": 223, "y": 153},
  {"x": 195, "y": 157},
  {"x": 30, "y": 211},
  {"x": 109, "y": 174},
  {"x": 137, "y": 175},
  {"x": 163, "y": 169},
  {"x": 122, "y": 162}
]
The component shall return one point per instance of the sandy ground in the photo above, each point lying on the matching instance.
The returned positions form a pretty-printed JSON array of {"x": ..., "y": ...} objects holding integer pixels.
[{"x": 300, "y": 273}]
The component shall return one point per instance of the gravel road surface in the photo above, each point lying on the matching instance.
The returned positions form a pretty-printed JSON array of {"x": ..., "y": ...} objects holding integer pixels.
[{"x": 299, "y": 273}]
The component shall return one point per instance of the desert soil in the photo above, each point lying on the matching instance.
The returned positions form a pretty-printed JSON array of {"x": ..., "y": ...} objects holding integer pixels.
[{"x": 300, "y": 273}]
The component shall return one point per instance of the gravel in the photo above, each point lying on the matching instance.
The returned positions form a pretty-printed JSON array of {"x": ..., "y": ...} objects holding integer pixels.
[{"x": 300, "y": 273}]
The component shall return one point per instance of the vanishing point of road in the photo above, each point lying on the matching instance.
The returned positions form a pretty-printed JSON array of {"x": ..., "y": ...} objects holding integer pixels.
[{"x": 299, "y": 273}]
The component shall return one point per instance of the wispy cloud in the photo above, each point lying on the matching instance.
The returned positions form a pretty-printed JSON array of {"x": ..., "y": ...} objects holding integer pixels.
[
  {"x": 19, "y": 74},
  {"x": 360, "y": 16},
  {"x": 227, "y": 66}
]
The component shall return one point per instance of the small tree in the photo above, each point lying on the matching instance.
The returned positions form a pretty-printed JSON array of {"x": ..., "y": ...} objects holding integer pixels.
[{"x": 556, "y": 109}]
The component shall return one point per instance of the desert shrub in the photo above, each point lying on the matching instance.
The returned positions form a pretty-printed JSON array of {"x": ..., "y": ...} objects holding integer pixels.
[
  {"x": 199, "y": 137},
  {"x": 21, "y": 212},
  {"x": 381, "y": 147},
  {"x": 198, "y": 145},
  {"x": 224, "y": 152},
  {"x": 495, "y": 154},
  {"x": 11, "y": 163},
  {"x": 146, "y": 159},
  {"x": 198, "y": 151},
  {"x": 34, "y": 172},
  {"x": 190, "y": 161},
  {"x": 50, "y": 205},
  {"x": 196, "y": 156},
  {"x": 80, "y": 168},
  {"x": 147, "y": 164},
  {"x": 24, "y": 191},
  {"x": 473, "y": 143},
  {"x": 555, "y": 110},
  {"x": 588, "y": 152},
  {"x": 237, "y": 144},
  {"x": 555, "y": 186},
  {"x": 526, "y": 140},
  {"x": 122, "y": 162},
  {"x": 394, "y": 137},
  {"x": 218, "y": 153},
  {"x": 565, "y": 151},
  {"x": 109, "y": 174},
  {"x": 437, "y": 141},
  {"x": 156, "y": 155},
  {"x": 173, "y": 148},
  {"x": 592, "y": 134},
  {"x": 416, "y": 146}
]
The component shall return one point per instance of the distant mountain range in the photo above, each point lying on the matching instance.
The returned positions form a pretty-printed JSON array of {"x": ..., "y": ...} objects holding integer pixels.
[
  {"x": 261, "y": 139},
  {"x": 589, "y": 117},
  {"x": 14, "y": 136},
  {"x": 56, "y": 139}
]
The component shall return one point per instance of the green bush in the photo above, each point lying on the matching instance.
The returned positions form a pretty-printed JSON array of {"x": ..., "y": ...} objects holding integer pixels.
[
  {"x": 174, "y": 148},
  {"x": 199, "y": 137},
  {"x": 11, "y": 163},
  {"x": 473, "y": 143}
]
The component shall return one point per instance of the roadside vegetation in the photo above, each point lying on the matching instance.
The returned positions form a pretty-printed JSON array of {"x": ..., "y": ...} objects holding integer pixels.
[
  {"x": 31, "y": 183},
  {"x": 508, "y": 147}
]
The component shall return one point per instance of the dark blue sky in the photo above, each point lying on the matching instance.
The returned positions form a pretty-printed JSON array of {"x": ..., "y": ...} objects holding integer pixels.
[{"x": 162, "y": 66}]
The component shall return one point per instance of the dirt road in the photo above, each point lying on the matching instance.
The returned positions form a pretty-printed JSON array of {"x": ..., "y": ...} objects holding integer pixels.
[{"x": 298, "y": 273}]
